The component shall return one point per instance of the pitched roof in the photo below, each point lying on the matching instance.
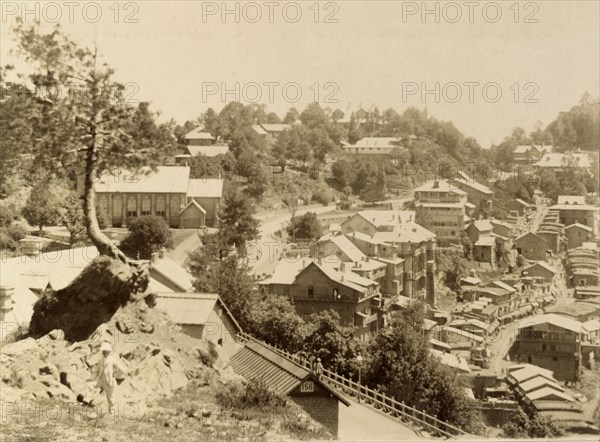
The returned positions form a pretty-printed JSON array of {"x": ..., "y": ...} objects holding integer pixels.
[
  {"x": 579, "y": 226},
  {"x": 530, "y": 372},
  {"x": 165, "y": 179},
  {"x": 585, "y": 207},
  {"x": 451, "y": 360},
  {"x": 193, "y": 203},
  {"x": 258, "y": 129},
  {"x": 523, "y": 203},
  {"x": 543, "y": 264},
  {"x": 537, "y": 382},
  {"x": 554, "y": 319},
  {"x": 275, "y": 127},
  {"x": 592, "y": 325},
  {"x": 208, "y": 151},
  {"x": 526, "y": 234},
  {"x": 255, "y": 361},
  {"x": 205, "y": 188},
  {"x": 504, "y": 286},
  {"x": 173, "y": 272},
  {"x": 485, "y": 241},
  {"x": 365, "y": 238},
  {"x": 558, "y": 160},
  {"x": 546, "y": 392},
  {"x": 474, "y": 185},
  {"x": 199, "y": 134},
  {"x": 376, "y": 142},
  {"x": 522, "y": 149},
  {"x": 571, "y": 199},
  {"x": 380, "y": 218},
  {"x": 347, "y": 247},
  {"x": 442, "y": 186},
  {"x": 191, "y": 308}
]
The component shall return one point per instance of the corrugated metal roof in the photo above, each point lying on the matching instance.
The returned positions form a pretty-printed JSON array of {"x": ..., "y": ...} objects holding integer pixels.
[
  {"x": 208, "y": 151},
  {"x": 187, "y": 308},
  {"x": 536, "y": 383},
  {"x": 166, "y": 179},
  {"x": 530, "y": 372},
  {"x": 547, "y": 392},
  {"x": 172, "y": 271},
  {"x": 205, "y": 188},
  {"x": 257, "y": 362},
  {"x": 199, "y": 134}
]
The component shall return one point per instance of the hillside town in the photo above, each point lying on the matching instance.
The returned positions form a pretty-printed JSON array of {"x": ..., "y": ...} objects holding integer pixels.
[{"x": 331, "y": 273}]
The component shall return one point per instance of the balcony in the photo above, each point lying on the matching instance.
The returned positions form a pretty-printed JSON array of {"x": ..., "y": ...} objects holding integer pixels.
[{"x": 363, "y": 319}]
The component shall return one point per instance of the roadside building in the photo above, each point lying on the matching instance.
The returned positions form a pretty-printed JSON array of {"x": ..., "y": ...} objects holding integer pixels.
[
  {"x": 443, "y": 209},
  {"x": 541, "y": 269},
  {"x": 256, "y": 361},
  {"x": 553, "y": 342},
  {"x": 502, "y": 228},
  {"x": 168, "y": 192},
  {"x": 394, "y": 234},
  {"x": 532, "y": 246},
  {"x": 315, "y": 286},
  {"x": 202, "y": 316},
  {"x": 577, "y": 234},
  {"x": 559, "y": 162},
  {"x": 519, "y": 206},
  {"x": 477, "y": 194},
  {"x": 577, "y": 214},
  {"x": 373, "y": 147}
]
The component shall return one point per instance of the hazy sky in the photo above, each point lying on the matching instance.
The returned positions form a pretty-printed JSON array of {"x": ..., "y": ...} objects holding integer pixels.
[{"x": 382, "y": 53}]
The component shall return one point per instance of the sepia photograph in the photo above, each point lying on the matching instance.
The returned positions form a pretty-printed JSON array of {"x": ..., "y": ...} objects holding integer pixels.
[{"x": 312, "y": 220}]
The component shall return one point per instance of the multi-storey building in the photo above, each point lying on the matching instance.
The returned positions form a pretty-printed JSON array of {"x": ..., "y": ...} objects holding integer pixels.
[
  {"x": 443, "y": 209},
  {"x": 477, "y": 194},
  {"x": 389, "y": 234},
  {"x": 553, "y": 342}
]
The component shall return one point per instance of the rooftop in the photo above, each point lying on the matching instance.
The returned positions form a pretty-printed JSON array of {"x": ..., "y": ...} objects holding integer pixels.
[
  {"x": 190, "y": 308},
  {"x": 165, "y": 179},
  {"x": 474, "y": 185},
  {"x": 208, "y": 151},
  {"x": 439, "y": 186},
  {"x": 377, "y": 142},
  {"x": 205, "y": 188},
  {"x": 559, "y": 321},
  {"x": 559, "y": 160},
  {"x": 571, "y": 199},
  {"x": 543, "y": 264},
  {"x": 199, "y": 134}
]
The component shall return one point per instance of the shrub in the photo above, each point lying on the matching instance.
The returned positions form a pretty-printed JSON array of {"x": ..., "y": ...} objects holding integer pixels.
[
  {"x": 6, "y": 241},
  {"x": 17, "y": 232},
  {"x": 252, "y": 394},
  {"x": 321, "y": 196},
  {"x": 7, "y": 214}
]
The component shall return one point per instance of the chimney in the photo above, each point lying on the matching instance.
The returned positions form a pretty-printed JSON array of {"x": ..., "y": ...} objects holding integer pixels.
[
  {"x": 6, "y": 302},
  {"x": 161, "y": 253},
  {"x": 343, "y": 267},
  {"x": 154, "y": 256},
  {"x": 436, "y": 184},
  {"x": 319, "y": 260},
  {"x": 342, "y": 278}
]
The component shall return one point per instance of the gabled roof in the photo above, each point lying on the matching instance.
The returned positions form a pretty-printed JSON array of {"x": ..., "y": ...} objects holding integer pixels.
[
  {"x": 275, "y": 127},
  {"x": 503, "y": 285},
  {"x": 547, "y": 392},
  {"x": 199, "y": 134},
  {"x": 559, "y": 321},
  {"x": 543, "y": 264},
  {"x": 530, "y": 372},
  {"x": 585, "y": 207},
  {"x": 559, "y": 160},
  {"x": 579, "y": 226},
  {"x": 205, "y": 188},
  {"x": 485, "y": 241},
  {"x": 258, "y": 129},
  {"x": 173, "y": 272},
  {"x": 377, "y": 142},
  {"x": 192, "y": 203},
  {"x": 347, "y": 247},
  {"x": 208, "y": 151},
  {"x": 191, "y": 308},
  {"x": 442, "y": 186},
  {"x": 365, "y": 238},
  {"x": 523, "y": 203},
  {"x": 482, "y": 225},
  {"x": 165, "y": 179},
  {"x": 256, "y": 361},
  {"x": 539, "y": 382},
  {"x": 451, "y": 360},
  {"x": 526, "y": 234},
  {"x": 349, "y": 279},
  {"x": 474, "y": 185},
  {"x": 571, "y": 199}
]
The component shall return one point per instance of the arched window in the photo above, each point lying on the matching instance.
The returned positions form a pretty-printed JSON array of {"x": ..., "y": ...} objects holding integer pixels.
[
  {"x": 132, "y": 206},
  {"x": 311, "y": 292},
  {"x": 146, "y": 206},
  {"x": 161, "y": 207}
]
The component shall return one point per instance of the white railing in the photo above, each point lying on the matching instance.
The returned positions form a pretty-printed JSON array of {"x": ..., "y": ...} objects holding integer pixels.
[{"x": 417, "y": 419}]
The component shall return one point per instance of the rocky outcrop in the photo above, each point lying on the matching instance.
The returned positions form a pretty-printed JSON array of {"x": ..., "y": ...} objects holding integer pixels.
[{"x": 90, "y": 300}]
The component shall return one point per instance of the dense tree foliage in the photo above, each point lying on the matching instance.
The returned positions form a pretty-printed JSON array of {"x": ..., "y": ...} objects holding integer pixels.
[
  {"x": 147, "y": 234},
  {"x": 96, "y": 120},
  {"x": 238, "y": 225},
  {"x": 305, "y": 227}
]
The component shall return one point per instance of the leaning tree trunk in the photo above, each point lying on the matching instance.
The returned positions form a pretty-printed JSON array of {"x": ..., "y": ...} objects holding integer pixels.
[{"x": 102, "y": 242}]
